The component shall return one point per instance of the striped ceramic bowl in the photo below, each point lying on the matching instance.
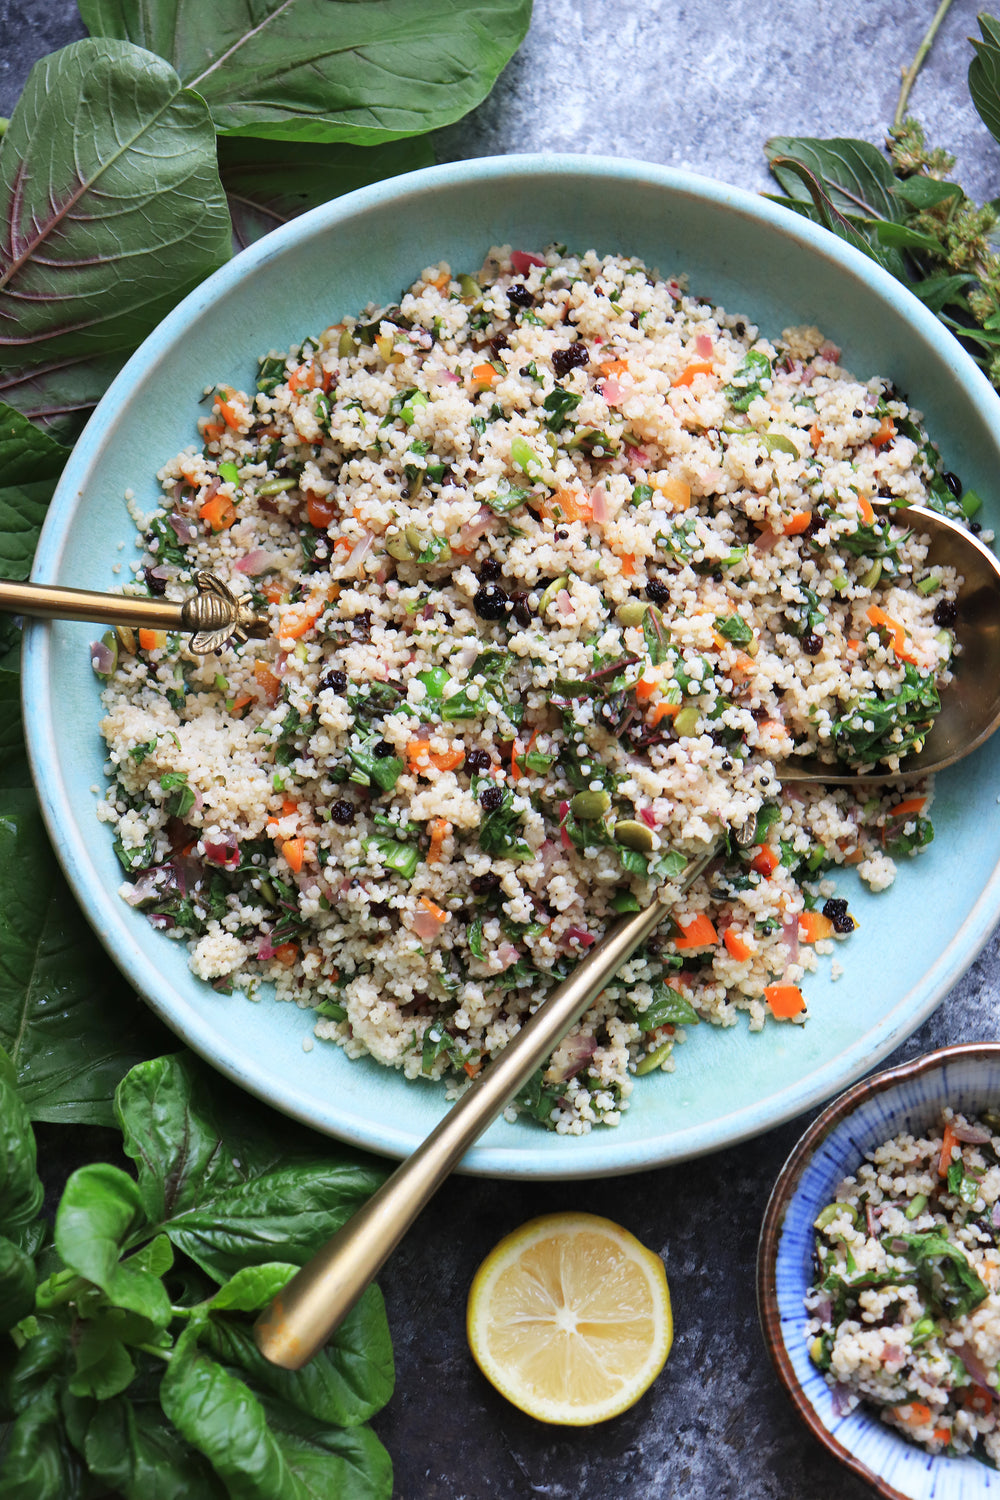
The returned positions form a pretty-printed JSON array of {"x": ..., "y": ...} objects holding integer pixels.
[{"x": 906, "y": 1098}]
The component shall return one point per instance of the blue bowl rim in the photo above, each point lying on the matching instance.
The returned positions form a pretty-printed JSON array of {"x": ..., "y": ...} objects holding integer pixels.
[
  {"x": 778, "y": 1203},
  {"x": 70, "y": 846}
]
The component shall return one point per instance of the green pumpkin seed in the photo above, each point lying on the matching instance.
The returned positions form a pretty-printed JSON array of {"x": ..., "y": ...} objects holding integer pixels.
[
  {"x": 399, "y": 548},
  {"x": 654, "y": 1059},
  {"x": 551, "y": 592},
  {"x": 686, "y": 722},
  {"x": 634, "y": 835},
  {"x": 632, "y": 612},
  {"x": 590, "y": 804}
]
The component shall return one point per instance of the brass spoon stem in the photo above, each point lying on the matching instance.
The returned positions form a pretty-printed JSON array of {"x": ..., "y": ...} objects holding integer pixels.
[
  {"x": 44, "y": 601},
  {"x": 319, "y": 1296}
]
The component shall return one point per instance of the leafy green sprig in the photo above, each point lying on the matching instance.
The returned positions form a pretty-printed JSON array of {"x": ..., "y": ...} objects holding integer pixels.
[
  {"x": 904, "y": 210},
  {"x": 127, "y": 1360}
]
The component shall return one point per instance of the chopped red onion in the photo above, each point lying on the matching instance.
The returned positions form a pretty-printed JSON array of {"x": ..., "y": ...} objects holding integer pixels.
[
  {"x": 841, "y": 1397},
  {"x": 790, "y": 937},
  {"x": 360, "y": 552},
  {"x": 102, "y": 658},
  {"x": 152, "y": 885},
  {"x": 212, "y": 489},
  {"x": 892, "y": 1354},
  {"x": 567, "y": 842},
  {"x": 599, "y": 504},
  {"x": 426, "y": 926},
  {"x": 508, "y": 954},
  {"x": 872, "y": 1219},
  {"x": 824, "y": 1309},
  {"x": 572, "y": 1056},
  {"x": 256, "y": 562},
  {"x": 224, "y": 851},
  {"x": 163, "y": 571},
  {"x": 636, "y": 455},
  {"x": 177, "y": 491},
  {"x": 830, "y": 352},
  {"x": 767, "y": 540},
  {"x": 612, "y": 392},
  {"x": 484, "y": 520},
  {"x": 704, "y": 346},
  {"x": 975, "y": 1367},
  {"x": 564, "y": 603},
  {"x": 581, "y": 936},
  {"x": 972, "y": 1135},
  {"x": 182, "y": 528},
  {"x": 265, "y": 952}
]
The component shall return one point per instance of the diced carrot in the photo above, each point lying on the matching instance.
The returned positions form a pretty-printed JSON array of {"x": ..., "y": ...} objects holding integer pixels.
[
  {"x": 309, "y": 377},
  {"x": 240, "y": 702},
  {"x": 975, "y": 1398},
  {"x": 774, "y": 727},
  {"x": 699, "y": 933},
  {"x": 472, "y": 1068},
  {"x": 854, "y": 647},
  {"x": 948, "y": 1140},
  {"x": 814, "y": 927},
  {"x": 227, "y": 413},
  {"x": 628, "y": 563},
  {"x": 211, "y": 432},
  {"x": 855, "y": 857},
  {"x": 566, "y": 505},
  {"x": 766, "y": 860},
  {"x": 287, "y": 954},
  {"x": 419, "y": 751},
  {"x": 320, "y": 510},
  {"x": 297, "y": 619},
  {"x": 219, "y": 512},
  {"x": 644, "y": 689},
  {"x": 913, "y": 1413},
  {"x": 615, "y": 367},
  {"x": 663, "y": 711},
  {"x": 867, "y": 510},
  {"x": 433, "y": 910},
  {"x": 152, "y": 640},
  {"x": 885, "y": 433},
  {"x": 784, "y": 1000},
  {"x": 795, "y": 525},
  {"x": 269, "y": 684},
  {"x": 484, "y": 376},
  {"x": 294, "y": 851},
  {"x": 440, "y": 282},
  {"x": 697, "y": 367},
  {"x": 908, "y": 807},
  {"x": 878, "y": 617},
  {"x": 677, "y": 491},
  {"x": 942, "y": 1434},
  {"x": 735, "y": 946},
  {"x": 289, "y": 806},
  {"x": 439, "y": 829},
  {"x": 815, "y": 435}
]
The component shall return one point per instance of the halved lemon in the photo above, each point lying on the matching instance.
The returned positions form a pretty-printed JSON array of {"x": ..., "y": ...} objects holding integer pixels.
[{"x": 569, "y": 1317}]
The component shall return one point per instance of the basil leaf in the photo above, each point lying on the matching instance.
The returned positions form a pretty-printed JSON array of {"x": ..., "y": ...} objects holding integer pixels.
[
  {"x": 71, "y": 1023},
  {"x": 111, "y": 196},
  {"x": 984, "y": 74},
  {"x": 38, "y": 1461},
  {"x": 229, "y": 1195},
  {"x": 133, "y": 1447},
  {"x": 349, "y": 1380},
  {"x": 17, "y": 1284},
  {"x": 667, "y": 1008},
  {"x": 855, "y": 175},
  {"x": 21, "y": 1191},
  {"x": 253, "y": 1288},
  {"x": 943, "y": 1271},
  {"x": 59, "y": 397},
  {"x": 219, "y": 1416},
  {"x": 268, "y": 182},
  {"x": 746, "y": 382},
  {"x": 325, "y": 1461},
  {"x": 100, "y": 1209},
  {"x": 327, "y": 70}
]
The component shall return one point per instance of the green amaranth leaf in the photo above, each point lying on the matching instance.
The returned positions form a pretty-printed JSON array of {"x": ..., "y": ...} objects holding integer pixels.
[
  {"x": 326, "y": 1461},
  {"x": 69, "y": 1022},
  {"x": 17, "y": 1284},
  {"x": 327, "y": 70},
  {"x": 111, "y": 208},
  {"x": 132, "y": 1447},
  {"x": 856, "y": 177},
  {"x": 99, "y": 1212},
  {"x": 27, "y": 453},
  {"x": 59, "y": 397},
  {"x": 984, "y": 74},
  {"x": 253, "y": 1287},
  {"x": 348, "y": 1381},
  {"x": 38, "y": 1461},
  {"x": 269, "y": 182},
  {"x": 22, "y": 511},
  {"x": 228, "y": 1187}
]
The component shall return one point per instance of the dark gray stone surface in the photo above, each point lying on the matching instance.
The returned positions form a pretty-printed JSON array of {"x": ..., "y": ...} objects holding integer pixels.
[{"x": 699, "y": 84}]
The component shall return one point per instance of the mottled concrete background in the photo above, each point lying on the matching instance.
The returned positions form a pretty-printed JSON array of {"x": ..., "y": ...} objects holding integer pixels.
[{"x": 698, "y": 84}]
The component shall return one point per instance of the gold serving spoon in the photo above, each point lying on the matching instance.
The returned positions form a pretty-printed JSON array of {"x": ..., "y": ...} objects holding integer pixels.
[
  {"x": 212, "y": 616},
  {"x": 320, "y": 1295}
]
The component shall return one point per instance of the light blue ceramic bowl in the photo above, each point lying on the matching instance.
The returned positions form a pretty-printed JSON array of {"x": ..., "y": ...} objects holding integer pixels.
[
  {"x": 738, "y": 250},
  {"x": 908, "y": 1098}
]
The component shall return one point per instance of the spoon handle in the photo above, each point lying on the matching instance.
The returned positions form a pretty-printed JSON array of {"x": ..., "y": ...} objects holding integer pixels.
[
  {"x": 319, "y": 1296},
  {"x": 48, "y": 602}
]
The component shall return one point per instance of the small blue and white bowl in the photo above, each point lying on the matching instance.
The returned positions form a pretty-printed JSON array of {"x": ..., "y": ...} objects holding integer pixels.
[{"x": 909, "y": 1098}]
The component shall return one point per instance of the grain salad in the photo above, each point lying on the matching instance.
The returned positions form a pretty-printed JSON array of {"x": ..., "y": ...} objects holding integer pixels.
[
  {"x": 561, "y": 562},
  {"x": 906, "y": 1306}
]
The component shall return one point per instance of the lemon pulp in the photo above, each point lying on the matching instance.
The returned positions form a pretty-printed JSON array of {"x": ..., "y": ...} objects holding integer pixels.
[{"x": 569, "y": 1317}]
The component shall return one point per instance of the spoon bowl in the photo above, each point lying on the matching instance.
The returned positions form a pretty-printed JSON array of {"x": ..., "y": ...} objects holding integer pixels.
[{"x": 970, "y": 704}]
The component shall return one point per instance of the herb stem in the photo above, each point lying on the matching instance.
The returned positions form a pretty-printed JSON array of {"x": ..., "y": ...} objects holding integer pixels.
[
  {"x": 910, "y": 73},
  {"x": 165, "y": 1354},
  {"x": 3, "y": 126}
]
